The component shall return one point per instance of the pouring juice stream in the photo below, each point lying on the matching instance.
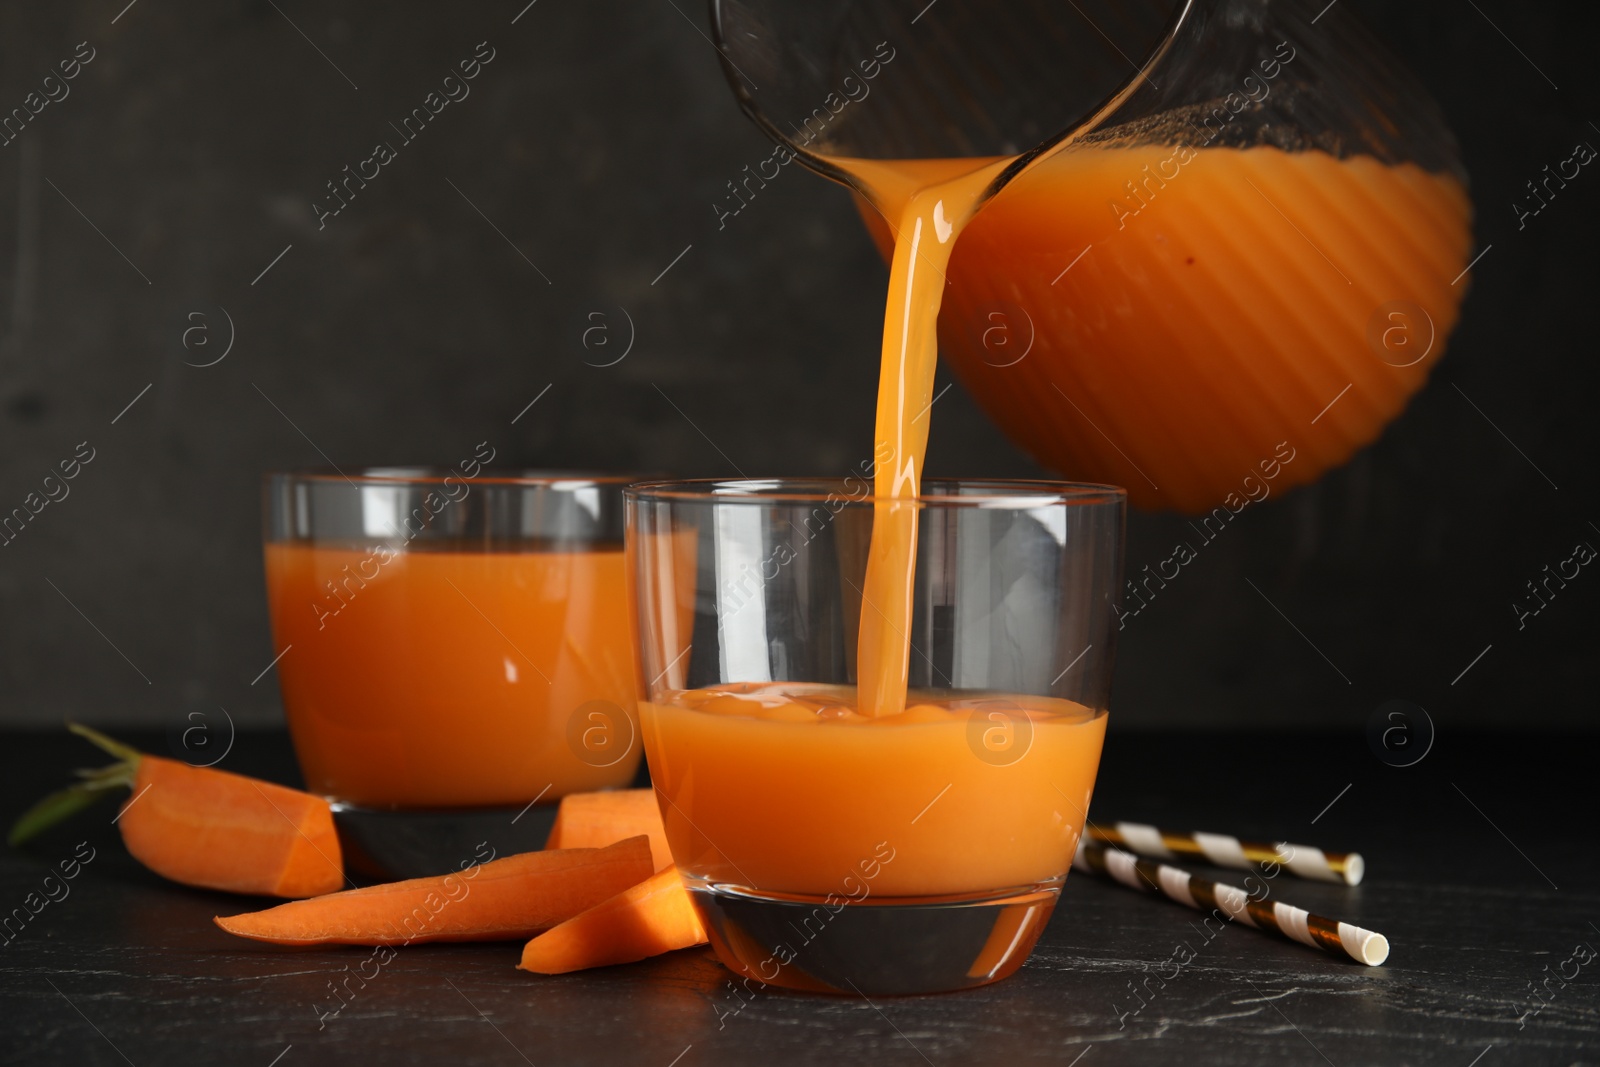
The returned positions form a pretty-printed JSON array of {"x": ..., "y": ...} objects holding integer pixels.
[{"x": 932, "y": 201}]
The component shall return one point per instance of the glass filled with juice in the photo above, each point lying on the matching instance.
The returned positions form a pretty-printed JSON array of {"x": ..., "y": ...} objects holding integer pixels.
[
  {"x": 905, "y": 845},
  {"x": 450, "y": 641}
]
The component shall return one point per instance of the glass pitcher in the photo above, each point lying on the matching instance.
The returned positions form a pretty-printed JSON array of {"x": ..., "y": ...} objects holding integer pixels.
[{"x": 1230, "y": 245}]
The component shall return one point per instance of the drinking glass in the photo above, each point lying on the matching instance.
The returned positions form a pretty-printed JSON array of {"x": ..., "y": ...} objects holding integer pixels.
[
  {"x": 450, "y": 644},
  {"x": 910, "y": 853}
]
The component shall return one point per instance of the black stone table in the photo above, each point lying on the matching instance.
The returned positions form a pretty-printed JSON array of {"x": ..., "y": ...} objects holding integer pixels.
[{"x": 1482, "y": 871}]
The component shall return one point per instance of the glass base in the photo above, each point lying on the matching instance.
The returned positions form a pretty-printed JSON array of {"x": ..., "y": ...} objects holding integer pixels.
[
  {"x": 874, "y": 947},
  {"x": 390, "y": 845}
]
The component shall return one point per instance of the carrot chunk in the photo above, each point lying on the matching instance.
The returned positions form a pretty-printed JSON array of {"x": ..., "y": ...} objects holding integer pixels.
[
  {"x": 204, "y": 827},
  {"x": 644, "y": 920},
  {"x": 505, "y": 899},
  {"x": 210, "y": 828},
  {"x": 594, "y": 820}
]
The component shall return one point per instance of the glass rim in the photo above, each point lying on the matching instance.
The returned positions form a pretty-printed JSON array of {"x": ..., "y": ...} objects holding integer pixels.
[
  {"x": 1015, "y": 493},
  {"x": 432, "y": 475}
]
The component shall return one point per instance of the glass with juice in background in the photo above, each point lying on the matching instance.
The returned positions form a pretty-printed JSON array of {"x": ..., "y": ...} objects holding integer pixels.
[{"x": 451, "y": 649}]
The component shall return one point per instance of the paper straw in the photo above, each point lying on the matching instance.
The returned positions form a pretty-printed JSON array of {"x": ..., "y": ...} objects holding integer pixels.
[
  {"x": 1304, "y": 861},
  {"x": 1329, "y": 935}
]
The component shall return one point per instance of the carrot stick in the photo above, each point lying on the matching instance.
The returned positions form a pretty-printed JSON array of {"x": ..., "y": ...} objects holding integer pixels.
[
  {"x": 204, "y": 827},
  {"x": 504, "y": 899},
  {"x": 594, "y": 820},
  {"x": 644, "y": 920}
]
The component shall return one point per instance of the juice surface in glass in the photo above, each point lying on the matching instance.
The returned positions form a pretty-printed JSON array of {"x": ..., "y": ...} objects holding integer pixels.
[
  {"x": 439, "y": 679},
  {"x": 784, "y": 789}
]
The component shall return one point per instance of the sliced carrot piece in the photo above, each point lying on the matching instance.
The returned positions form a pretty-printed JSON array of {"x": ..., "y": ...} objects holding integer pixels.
[
  {"x": 209, "y": 828},
  {"x": 204, "y": 827},
  {"x": 644, "y": 920},
  {"x": 594, "y": 820},
  {"x": 504, "y": 899}
]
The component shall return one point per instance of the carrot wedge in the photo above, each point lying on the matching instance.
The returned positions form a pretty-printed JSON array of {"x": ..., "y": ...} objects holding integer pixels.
[
  {"x": 644, "y": 920},
  {"x": 204, "y": 827},
  {"x": 594, "y": 820},
  {"x": 502, "y": 900},
  {"x": 210, "y": 828}
]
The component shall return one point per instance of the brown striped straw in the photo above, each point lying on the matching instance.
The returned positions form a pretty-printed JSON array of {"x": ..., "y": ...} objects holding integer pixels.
[
  {"x": 1296, "y": 924},
  {"x": 1222, "y": 850}
]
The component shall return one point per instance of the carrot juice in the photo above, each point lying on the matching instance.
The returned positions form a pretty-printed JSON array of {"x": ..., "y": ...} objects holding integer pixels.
[
  {"x": 785, "y": 788},
  {"x": 931, "y": 203},
  {"x": 1170, "y": 315},
  {"x": 438, "y": 679}
]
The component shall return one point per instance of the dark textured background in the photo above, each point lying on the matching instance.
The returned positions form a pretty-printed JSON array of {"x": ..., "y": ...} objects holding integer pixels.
[{"x": 597, "y": 141}]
